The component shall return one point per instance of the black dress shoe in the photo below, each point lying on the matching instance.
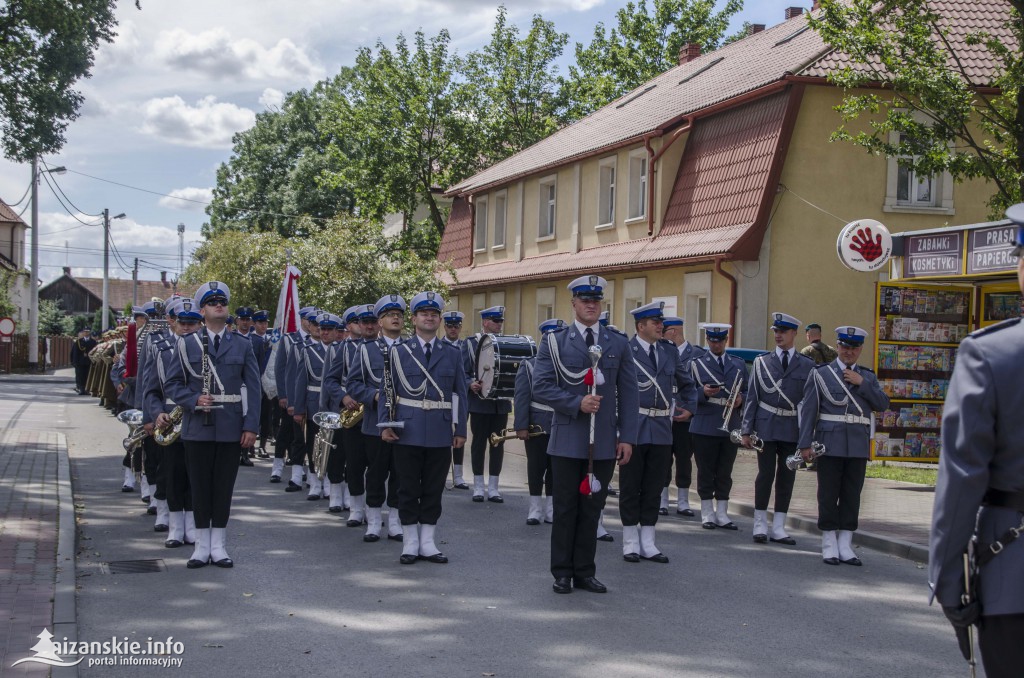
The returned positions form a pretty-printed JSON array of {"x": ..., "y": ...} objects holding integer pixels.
[
  {"x": 145, "y": 500},
  {"x": 151, "y": 511},
  {"x": 562, "y": 585},
  {"x": 127, "y": 488},
  {"x": 606, "y": 537},
  {"x": 656, "y": 558},
  {"x": 478, "y": 498},
  {"x": 830, "y": 561},
  {"x": 334, "y": 509},
  {"x": 292, "y": 487},
  {"x": 313, "y": 497},
  {"x": 631, "y": 557},
  {"x": 173, "y": 543},
  {"x": 496, "y": 499},
  {"x": 370, "y": 538},
  {"x": 407, "y": 559},
  {"x": 590, "y": 584},
  {"x": 532, "y": 521},
  {"x": 438, "y": 558},
  {"x": 663, "y": 511},
  {"x": 761, "y": 539},
  {"x": 788, "y": 541},
  {"x": 159, "y": 528},
  {"x": 461, "y": 486},
  {"x": 729, "y": 526},
  {"x": 855, "y": 561},
  {"x": 612, "y": 492},
  {"x": 396, "y": 537},
  {"x": 224, "y": 562},
  {"x": 685, "y": 512},
  {"x": 275, "y": 479},
  {"x": 354, "y": 523},
  {"x": 245, "y": 461},
  {"x": 708, "y": 525},
  {"x": 193, "y": 564}
]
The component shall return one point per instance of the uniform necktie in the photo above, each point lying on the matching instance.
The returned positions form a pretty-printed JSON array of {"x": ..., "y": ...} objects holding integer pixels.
[
  {"x": 785, "y": 360},
  {"x": 654, "y": 357},
  {"x": 721, "y": 363},
  {"x": 590, "y": 337},
  {"x": 426, "y": 350},
  {"x": 216, "y": 342}
]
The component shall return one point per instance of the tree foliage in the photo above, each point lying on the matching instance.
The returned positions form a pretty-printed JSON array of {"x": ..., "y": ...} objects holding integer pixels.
[
  {"x": 53, "y": 321},
  {"x": 45, "y": 48},
  {"x": 930, "y": 112},
  {"x": 645, "y": 43}
]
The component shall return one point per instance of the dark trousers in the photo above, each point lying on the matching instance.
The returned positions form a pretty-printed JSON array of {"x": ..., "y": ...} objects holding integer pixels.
[
  {"x": 458, "y": 454},
  {"x": 999, "y": 638},
  {"x": 297, "y": 450},
  {"x": 715, "y": 458},
  {"x": 81, "y": 376},
  {"x": 354, "y": 442},
  {"x": 268, "y": 409},
  {"x": 640, "y": 484},
  {"x": 285, "y": 433},
  {"x": 421, "y": 472},
  {"x": 175, "y": 470},
  {"x": 152, "y": 460},
  {"x": 682, "y": 452},
  {"x": 133, "y": 460},
  {"x": 311, "y": 431},
  {"x": 538, "y": 465},
  {"x": 482, "y": 426},
  {"x": 574, "y": 532},
  {"x": 840, "y": 480},
  {"x": 212, "y": 469},
  {"x": 336, "y": 460},
  {"x": 381, "y": 477},
  {"x": 771, "y": 468}
]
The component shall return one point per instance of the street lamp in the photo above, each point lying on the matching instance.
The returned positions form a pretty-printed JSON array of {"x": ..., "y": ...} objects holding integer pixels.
[
  {"x": 33, "y": 305},
  {"x": 104, "y": 309}
]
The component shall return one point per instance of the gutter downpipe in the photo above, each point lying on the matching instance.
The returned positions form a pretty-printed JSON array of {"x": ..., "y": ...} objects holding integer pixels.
[
  {"x": 732, "y": 297},
  {"x": 652, "y": 162}
]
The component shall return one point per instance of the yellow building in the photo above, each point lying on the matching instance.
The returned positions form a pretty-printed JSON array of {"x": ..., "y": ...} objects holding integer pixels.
[{"x": 713, "y": 187}]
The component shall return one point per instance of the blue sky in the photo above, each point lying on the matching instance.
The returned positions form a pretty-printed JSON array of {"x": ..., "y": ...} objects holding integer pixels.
[{"x": 183, "y": 76}]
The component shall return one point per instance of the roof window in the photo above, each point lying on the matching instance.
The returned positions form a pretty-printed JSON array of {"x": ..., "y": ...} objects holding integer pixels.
[
  {"x": 793, "y": 35},
  {"x": 700, "y": 70},
  {"x": 636, "y": 96}
]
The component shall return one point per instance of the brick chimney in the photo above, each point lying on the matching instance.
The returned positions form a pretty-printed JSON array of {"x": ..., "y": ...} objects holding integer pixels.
[
  {"x": 67, "y": 271},
  {"x": 163, "y": 277},
  {"x": 688, "y": 53},
  {"x": 755, "y": 28},
  {"x": 793, "y": 12}
]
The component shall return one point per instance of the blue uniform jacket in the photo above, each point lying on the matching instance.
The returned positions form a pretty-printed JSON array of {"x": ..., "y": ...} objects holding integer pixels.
[
  {"x": 841, "y": 439},
  {"x": 308, "y": 376},
  {"x": 477, "y": 404},
  {"x": 527, "y": 410},
  {"x": 336, "y": 373},
  {"x": 364, "y": 381},
  {"x": 768, "y": 385},
  {"x": 677, "y": 389},
  {"x": 154, "y": 400},
  {"x": 281, "y": 360},
  {"x": 708, "y": 418},
  {"x": 616, "y": 420},
  {"x": 981, "y": 449},
  {"x": 427, "y": 428},
  {"x": 236, "y": 367}
]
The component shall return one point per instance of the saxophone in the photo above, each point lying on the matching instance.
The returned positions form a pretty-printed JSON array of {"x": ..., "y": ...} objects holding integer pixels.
[{"x": 170, "y": 433}]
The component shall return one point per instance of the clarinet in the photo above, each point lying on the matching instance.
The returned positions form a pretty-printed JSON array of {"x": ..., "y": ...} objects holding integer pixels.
[
  {"x": 207, "y": 377},
  {"x": 389, "y": 384}
]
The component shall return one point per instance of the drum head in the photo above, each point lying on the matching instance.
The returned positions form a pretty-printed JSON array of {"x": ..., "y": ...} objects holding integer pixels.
[{"x": 485, "y": 365}]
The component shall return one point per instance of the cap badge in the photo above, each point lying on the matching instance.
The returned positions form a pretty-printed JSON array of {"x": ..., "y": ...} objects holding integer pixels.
[
  {"x": 778, "y": 317},
  {"x": 213, "y": 286},
  {"x": 394, "y": 298},
  {"x": 593, "y": 281},
  {"x": 851, "y": 331},
  {"x": 430, "y": 296}
]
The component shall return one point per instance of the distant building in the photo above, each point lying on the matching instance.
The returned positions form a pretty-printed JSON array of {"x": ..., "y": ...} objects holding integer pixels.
[
  {"x": 79, "y": 296},
  {"x": 12, "y": 257}
]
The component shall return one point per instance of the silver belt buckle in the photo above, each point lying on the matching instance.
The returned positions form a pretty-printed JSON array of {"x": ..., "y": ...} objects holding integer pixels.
[
  {"x": 429, "y": 405},
  {"x": 851, "y": 419}
]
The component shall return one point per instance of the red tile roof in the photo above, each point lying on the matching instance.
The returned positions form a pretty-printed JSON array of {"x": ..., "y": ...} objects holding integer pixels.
[
  {"x": 456, "y": 243},
  {"x": 7, "y": 214},
  {"x": 121, "y": 290}
]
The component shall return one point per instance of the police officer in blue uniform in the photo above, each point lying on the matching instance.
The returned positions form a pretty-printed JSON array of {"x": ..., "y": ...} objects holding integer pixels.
[
  {"x": 288, "y": 440},
  {"x": 308, "y": 382},
  {"x": 452, "y": 331},
  {"x": 839, "y": 398},
  {"x": 776, "y": 387},
  {"x": 429, "y": 401},
  {"x": 664, "y": 384},
  {"x": 243, "y": 328},
  {"x": 152, "y": 454},
  {"x": 562, "y": 369},
  {"x": 530, "y": 416},
  {"x": 682, "y": 446},
  {"x": 980, "y": 490},
  {"x": 721, "y": 379},
  {"x": 486, "y": 416},
  {"x": 261, "y": 348},
  {"x": 216, "y": 368}
]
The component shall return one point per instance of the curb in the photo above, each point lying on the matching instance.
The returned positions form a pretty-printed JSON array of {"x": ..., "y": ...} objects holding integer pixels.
[{"x": 65, "y": 624}]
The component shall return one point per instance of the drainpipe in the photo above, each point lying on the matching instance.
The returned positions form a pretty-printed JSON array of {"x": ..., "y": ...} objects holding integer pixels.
[
  {"x": 652, "y": 164},
  {"x": 732, "y": 297}
]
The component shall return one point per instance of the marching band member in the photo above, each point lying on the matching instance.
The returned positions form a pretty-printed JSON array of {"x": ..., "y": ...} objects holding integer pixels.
[
  {"x": 309, "y": 378},
  {"x": 836, "y": 412},
  {"x": 452, "y": 330},
  {"x": 429, "y": 398},
  {"x": 295, "y": 364},
  {"x": 682, "y": 445},
  {"x": 80, "y": 358},
  {"x": 261, "y": 347},
  {"x": 216, "y": 368},
  {"x": 485, "y": 416},
  {"x": 285, "y": 439},
  {"x": 530, "y": 414},
  {"x": 720, "y": 378},
  {"x": 243, "y": 328},
  {"x": 334, "y": 486},
  {"x": 660, "y": 373},
  {"x": 770, "y": 410},
  {"x": 333, "y": 398},
  {"x": 125, "y": 389},
  {"x": 363, "y": 384},
  {"x": 589, "y": 433},
  {"x": 152, "y": 454}
]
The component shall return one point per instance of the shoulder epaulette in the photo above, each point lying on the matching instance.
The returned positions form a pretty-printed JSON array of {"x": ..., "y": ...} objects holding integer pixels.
[
  {"x": 866, "y": 369},
  {"x": 994, "y": 328},
  {"x": 667, "y": 342},
  {"x": 559, "y": 330},
  {"x": 821, "y": 366},
  {"x": 616, "y": 330}
]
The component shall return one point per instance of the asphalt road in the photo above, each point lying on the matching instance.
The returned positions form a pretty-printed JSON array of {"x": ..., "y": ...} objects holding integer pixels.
[{"x": 308, "y": 597}]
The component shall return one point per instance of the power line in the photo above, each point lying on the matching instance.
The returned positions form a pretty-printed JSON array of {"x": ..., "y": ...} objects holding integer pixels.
[
  {"x": 46, "y": 176},
  {"x": 23, "y": 196},
  {"x": 55, "y": 183}
]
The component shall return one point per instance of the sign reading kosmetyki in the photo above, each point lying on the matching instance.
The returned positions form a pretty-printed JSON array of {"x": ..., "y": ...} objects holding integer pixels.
[{"x": 929, "y": 255}]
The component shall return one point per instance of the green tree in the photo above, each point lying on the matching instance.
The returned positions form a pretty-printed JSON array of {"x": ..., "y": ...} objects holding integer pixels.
[
  {"x": 946, "y": 116},
  {"x": 45, "y": 48},
  {"x": 512, "y": 86},
  {"x": 645, "y": 43},
  {"x": 53, "y": 320}
]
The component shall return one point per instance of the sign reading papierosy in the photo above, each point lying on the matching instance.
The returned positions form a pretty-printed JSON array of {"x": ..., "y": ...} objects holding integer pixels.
[
  {"x": 933, "y": 255},
  {"x": 990, "y": 250},
  {"x": 7, "y": 326},
  {"x": 864, "y": 245}
]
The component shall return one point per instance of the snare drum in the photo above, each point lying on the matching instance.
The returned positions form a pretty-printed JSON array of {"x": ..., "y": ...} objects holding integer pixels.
[{"x": 497, "y": 360}]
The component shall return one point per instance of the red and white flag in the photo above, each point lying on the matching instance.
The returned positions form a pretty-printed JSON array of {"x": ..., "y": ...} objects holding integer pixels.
[{"x": 285, "y": 320}]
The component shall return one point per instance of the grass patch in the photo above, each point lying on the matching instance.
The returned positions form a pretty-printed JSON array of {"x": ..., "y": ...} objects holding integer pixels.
[{"x": 921, "y": 476}]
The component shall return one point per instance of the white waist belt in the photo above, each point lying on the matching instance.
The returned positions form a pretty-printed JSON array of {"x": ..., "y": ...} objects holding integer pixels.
[
  {"x": 425, "y": 404},
  {"x": 845, "y": 418},
  {"x": 651, "y": 412},
  {"x": 170, "y": 402},
  {"x": 777, "y": 410},
  {"x": 221, "y": 398},
  {"x": 719, "y": 401},
  {"x": 540, "y": 406},
  {"x": 313, "y": 389}
]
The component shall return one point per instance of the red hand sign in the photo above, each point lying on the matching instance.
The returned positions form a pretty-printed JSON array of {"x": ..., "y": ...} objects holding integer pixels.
[{"x": 867, "y": 247}]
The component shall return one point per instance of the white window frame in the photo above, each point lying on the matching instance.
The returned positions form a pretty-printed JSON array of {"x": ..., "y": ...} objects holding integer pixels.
[
  {"x": 634, "y": 295},
  {"x": 547, "y": 221},
  {"x": 608, "y": 303},
  {"x": 696, "y": 306},
  {"x": 942, "y": 187},
  {"x": 639, "y": 184},
  {"x": 479, "y": 304},
  {"x": 545, "y": 304},
  {"x": 480, "y": 224},
  {"x": 606, "y": 168},
  {"x": 500, "y": 219}
]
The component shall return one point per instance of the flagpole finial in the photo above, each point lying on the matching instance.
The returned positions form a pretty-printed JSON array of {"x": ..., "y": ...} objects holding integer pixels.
[{"x": 288, "y": 255}]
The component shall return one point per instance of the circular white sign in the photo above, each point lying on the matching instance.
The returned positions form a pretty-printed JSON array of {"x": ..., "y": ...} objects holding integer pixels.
[
  {"x": 7, "y": 326},
  {"x": 864, "y": 245}
]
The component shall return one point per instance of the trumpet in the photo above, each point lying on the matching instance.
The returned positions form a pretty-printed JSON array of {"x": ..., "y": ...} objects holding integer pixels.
[
  {"x": 352, "y": 418},
  {"x": 169, "y": 434},
  {"x": 510, "y": 433},
  {"x": 730, "y": 404},
  {"x": 329, "y": 422},
  {"x": 794, "y": 460},
  {"x": 756, "y": 444}
]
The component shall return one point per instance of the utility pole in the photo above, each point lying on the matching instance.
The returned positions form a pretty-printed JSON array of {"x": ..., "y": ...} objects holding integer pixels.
[
  {"x": 181, "y": 248},
  {"x": 135, "y": 283},
  {"x": 33, "y": 294},
  {"x": 104, "y": 308}
]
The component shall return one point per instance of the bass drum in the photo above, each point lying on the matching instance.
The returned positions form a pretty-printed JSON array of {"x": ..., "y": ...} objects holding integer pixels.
[{"x": 498, "y": 357}]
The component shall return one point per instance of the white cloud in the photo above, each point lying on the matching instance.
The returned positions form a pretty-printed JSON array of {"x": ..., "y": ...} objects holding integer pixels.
[
  {"x": 123, "y": 51},
  {"x": 272, "y": 98},
  {"x": 192, "y": 199},
  {"x": 208, "y": 124},
  {"x": 216, "y": 54}
]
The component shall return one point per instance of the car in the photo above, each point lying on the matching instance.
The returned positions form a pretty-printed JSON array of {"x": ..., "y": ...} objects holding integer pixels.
[{"x": 747, "y": 354}]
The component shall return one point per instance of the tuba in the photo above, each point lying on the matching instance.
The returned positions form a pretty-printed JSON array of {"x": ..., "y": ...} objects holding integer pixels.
[
  {"x": 794, "y": 460},
  {"x": 510, "y": 433},
  {"x": 329, "y": 422},
  {"x": 756, "y": 444},
  {"x": 170, "y": 433},
  {"x": 352, "y": 418},
  {"x": 136, "y": 433}
]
